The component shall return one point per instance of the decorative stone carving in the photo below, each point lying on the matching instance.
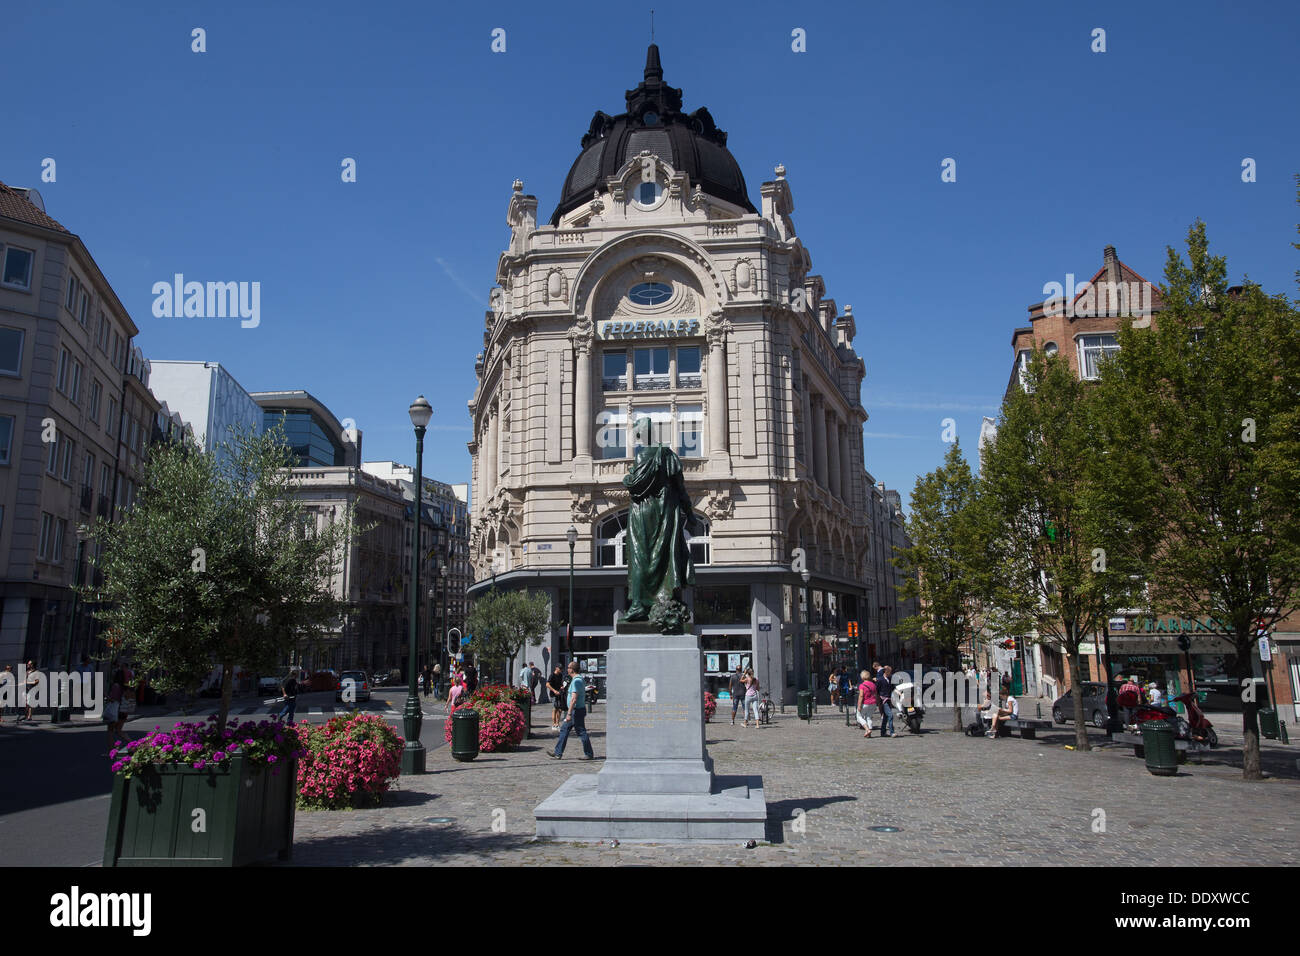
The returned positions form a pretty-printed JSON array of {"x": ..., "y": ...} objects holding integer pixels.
[
  {"x": 716, "y": 329},
  {"x": 742, "y": 275},
  {"x": 580, "y": 336},
  {"x": 582, "y": 508},
  {"x": 718, "y": 504},
  {"x": 556, "y": 285}
]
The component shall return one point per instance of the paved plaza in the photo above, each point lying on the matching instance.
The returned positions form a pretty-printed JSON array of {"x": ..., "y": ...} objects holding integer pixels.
[{"x": 953, "y": 799}]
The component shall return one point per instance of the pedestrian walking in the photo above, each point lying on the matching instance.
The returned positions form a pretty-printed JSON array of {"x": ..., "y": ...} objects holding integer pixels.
[
  {"x": 884, "y": 690},
  {"x": 33, "y": 678},
  {"x": 555, "y": 687},
  {"x": 534, "y": 681},
  {"x": 471, "y": 678},
  {"x": 577, "y": 720},
  {"x": 867, "y": 699},
  {"x": 289, "y": 706},
  {"x": 437, "y": 681},
  {"x": 751, "y": 696},
  {"x": 833, "y": 685},
  {"x": 736, "y": 688}
]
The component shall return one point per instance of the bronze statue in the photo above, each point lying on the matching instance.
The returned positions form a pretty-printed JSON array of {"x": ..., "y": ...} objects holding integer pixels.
[{"x": 658, "y": 559}]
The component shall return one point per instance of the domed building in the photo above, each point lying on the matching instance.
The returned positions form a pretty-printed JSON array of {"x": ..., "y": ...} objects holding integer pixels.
[{"x": 659, "y": 290}]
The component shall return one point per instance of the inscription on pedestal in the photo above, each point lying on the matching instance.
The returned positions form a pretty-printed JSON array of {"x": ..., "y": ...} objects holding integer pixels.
[{"x": 649, "y": 716}]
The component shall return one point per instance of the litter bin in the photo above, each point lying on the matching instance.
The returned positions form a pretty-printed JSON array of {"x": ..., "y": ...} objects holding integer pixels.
[
  {"x": 805, "y": 704},
  {"x": 464, "y": 733},
  {"x": 1268, "y": 722},
  {"x": 1158, "y": 744},
  {"x": 526, "y": 705}
]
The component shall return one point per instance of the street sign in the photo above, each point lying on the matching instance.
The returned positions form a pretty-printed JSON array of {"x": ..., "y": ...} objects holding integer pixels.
[
  {"x": 464, "y": 641},
  {"x": 1265, "y": 654},
  {"x": 1118, "y": 624}
]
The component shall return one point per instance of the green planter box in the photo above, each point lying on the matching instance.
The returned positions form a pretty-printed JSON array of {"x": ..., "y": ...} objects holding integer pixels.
[
  {"x": 247, "y": 816},
  {"x": 527, "y": 707}
]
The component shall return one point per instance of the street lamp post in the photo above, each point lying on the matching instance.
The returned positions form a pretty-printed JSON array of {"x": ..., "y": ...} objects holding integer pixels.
[
  {"x": 412, "y": 718},
  {"x": 63, "y": 710},
  {"x": 807, "y": 642},
  {"x": 442, "y": 623},
  {"x": 572, "y": 537}
]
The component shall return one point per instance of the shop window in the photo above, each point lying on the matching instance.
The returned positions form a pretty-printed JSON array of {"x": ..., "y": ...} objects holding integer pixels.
[{"x": 722, "y": 604}]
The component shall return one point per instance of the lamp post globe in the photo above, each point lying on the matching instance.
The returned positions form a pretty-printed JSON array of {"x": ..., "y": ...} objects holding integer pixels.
[{"x": 413, "y": 754}]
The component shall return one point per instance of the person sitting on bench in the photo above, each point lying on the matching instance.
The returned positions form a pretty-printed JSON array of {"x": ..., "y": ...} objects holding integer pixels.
[{"x": 1011, "y": 710}]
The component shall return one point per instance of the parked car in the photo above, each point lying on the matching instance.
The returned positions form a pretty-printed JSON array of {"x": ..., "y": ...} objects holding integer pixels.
[
  {"x": 268, "y": 685},
  {"x": 323, "y": 680},
  {"x": 358, "y": 682},
  {"x": 1094, "y": 705}
]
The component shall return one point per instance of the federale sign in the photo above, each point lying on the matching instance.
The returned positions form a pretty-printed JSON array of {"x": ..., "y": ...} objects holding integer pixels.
[{"x": 649, "y": 328}]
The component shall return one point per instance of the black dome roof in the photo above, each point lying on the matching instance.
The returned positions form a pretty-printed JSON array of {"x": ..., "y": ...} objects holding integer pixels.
[{"x": 689, "y": 142}]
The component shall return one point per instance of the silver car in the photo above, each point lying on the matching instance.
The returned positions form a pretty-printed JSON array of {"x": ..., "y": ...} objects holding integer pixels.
[
  {"x": 1094, "y": 705},
  {"x": 354, "y": 683}
]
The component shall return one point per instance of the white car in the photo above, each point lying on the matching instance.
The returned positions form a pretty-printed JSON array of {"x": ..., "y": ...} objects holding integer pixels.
[{"x": 354, "y": 683}]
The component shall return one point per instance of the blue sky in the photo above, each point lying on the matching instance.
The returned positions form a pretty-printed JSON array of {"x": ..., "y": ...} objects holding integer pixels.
[{"x": 225, "y": 166}]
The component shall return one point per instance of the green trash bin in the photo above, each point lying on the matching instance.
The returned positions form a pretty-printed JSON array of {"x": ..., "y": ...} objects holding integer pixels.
[
  {"x": 1158, "y": 743},
  {"x": 805, "y": 704},
  {"x": 526, "y": 705},
  {"x": 1268, "y": 722},
  {"x": 464, "y": 733}
]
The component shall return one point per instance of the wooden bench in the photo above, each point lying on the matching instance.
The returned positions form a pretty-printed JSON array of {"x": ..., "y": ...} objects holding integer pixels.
[{"x": 1028, "y": 727}]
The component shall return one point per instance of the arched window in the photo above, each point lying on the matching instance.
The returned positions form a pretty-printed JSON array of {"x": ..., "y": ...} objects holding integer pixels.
[{"x": 611, "y": 533}]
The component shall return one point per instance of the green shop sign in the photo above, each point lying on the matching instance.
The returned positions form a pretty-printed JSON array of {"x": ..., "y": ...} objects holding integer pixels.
[{"x": 1176, "y": 625}]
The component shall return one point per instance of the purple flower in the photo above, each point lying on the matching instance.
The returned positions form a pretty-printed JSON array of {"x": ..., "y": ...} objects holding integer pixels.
[
  {"x": 219, "y": 755},
  {"x": 272, "y": 758},
  {"x": 198, "y": 765}
]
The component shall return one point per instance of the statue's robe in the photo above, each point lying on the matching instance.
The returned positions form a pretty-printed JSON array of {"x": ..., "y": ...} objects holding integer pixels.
[{"x": 658, "y": 558}]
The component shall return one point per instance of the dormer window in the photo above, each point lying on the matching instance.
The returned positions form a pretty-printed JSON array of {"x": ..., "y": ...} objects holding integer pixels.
[
  {"x": 650, "y": 118},
  {"x": 647, "y": 194},
  {"x": 650, "y": 293}
]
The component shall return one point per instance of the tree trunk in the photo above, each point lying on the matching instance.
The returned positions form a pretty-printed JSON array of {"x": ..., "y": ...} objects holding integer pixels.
[
  {"x": 1250, "y": 769},
  {"x": 954, "y": 663},
  {"x": 227, "y": 688},
  {"x": 1076, "y": 691}
]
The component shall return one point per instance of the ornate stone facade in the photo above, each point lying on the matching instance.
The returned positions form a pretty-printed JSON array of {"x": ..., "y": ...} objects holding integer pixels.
[{"x": 659, "y": 298}]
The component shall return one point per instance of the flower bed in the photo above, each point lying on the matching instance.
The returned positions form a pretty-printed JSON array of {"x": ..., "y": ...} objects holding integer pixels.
[
  {"x": 500, "y": 727},
  {"x": 204, "y": 744},
  {"x": 710, "y": 706},
  {"x": 348, "y": 762},
  {"x": 495, "y": 693}
]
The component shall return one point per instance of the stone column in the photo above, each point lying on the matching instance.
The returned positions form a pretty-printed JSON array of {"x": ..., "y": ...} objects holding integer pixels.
[
  {"x": 808, "y": 453},
  {"x": 582, "y": 421},
  {"x": 846, "y": 463},
  {"x": 716, "y": 329},
  {"x": 489, "y": 442},
  {"x": 819, "y": 438},
  {"x": 833, "y": 452}
]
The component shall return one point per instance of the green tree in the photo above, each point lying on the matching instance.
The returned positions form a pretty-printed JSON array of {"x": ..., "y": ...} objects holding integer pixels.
[
  {"x": 1050, "y": 519},
  {"x": 1213, "y": 391},
  {"x": 217, "y": 564},
  {"x": 945, "y": 564},
  {"x": 502, "y": 622}
]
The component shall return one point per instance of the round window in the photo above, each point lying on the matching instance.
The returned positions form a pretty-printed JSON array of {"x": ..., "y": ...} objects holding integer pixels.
[
  {"x": 650, "y": 293},
  {"x": 650, "y": 119}
]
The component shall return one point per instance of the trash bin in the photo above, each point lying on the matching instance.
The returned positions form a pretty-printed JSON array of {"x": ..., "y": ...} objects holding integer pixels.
[
  {"x": 526, "y": 705},
  {"x": 805, "y": 704},
  {"x": 1268, "y": 722},
  {"x": 464, "y": 733},
  {"x": 1158, "y": 744}
]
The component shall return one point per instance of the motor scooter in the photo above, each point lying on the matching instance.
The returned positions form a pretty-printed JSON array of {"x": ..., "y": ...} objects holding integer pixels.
[
  {"x": 908, "y": 706},
  {"x": 1163, "y": 712},
  {"x": 1199, "y": 726}
]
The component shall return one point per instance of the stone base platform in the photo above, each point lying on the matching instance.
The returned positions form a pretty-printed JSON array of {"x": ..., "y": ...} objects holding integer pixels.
[{"x": 735, "y": 811}]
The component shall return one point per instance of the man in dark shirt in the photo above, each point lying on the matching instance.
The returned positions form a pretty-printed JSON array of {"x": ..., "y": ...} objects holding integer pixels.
[
  {"x": 737, "y": 691},
  {"x": 471, "y": 678},
  {"x": 290, "y": 688}
]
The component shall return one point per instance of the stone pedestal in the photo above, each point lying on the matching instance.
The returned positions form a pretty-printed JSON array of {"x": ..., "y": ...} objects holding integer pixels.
[{"x": 657, "y": 784}]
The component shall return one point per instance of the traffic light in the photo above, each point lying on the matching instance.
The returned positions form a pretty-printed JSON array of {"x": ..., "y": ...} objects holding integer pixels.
[{"x": 853, "y": 628}]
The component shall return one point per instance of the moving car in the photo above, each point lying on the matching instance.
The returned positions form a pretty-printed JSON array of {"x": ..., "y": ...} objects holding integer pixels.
[
  {"x": 1094, "y": 705},
  {"x": 268, "y": 685},
  {"x": 356, "y": 682}
]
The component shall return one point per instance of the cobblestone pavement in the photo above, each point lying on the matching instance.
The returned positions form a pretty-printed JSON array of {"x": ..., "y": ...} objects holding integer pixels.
[{"x": 955, "y": 800}]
